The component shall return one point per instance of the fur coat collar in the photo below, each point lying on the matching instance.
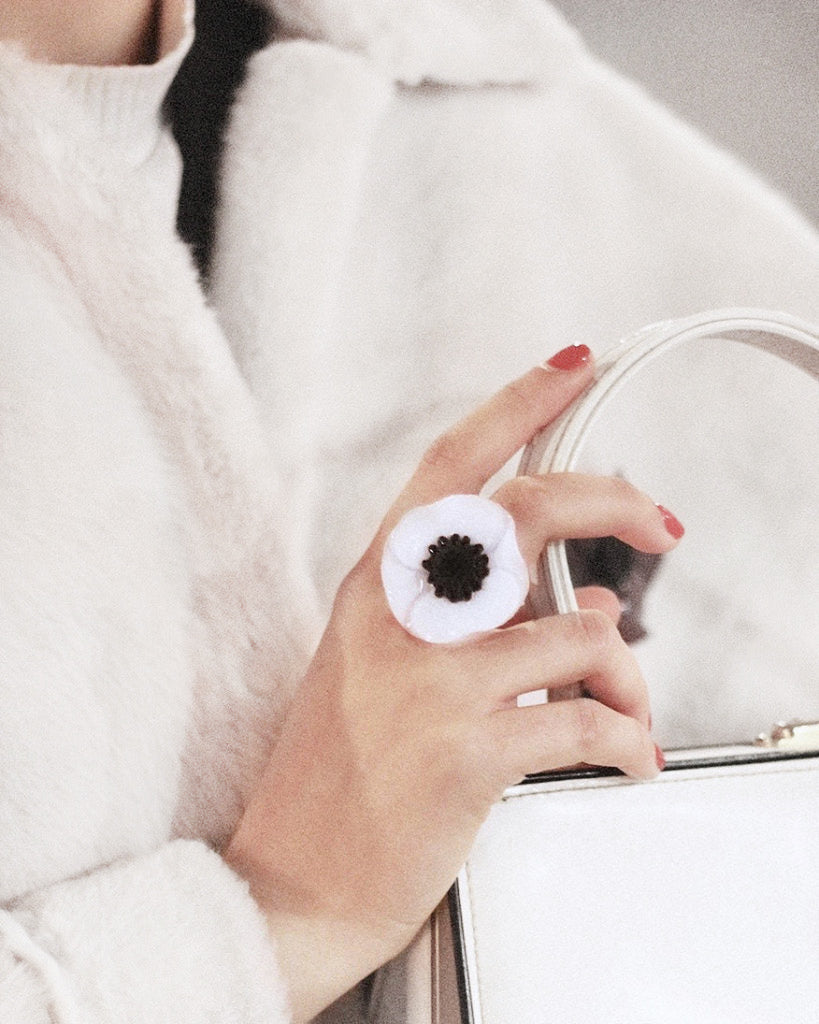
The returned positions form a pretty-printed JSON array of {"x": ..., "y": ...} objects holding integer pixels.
[{"x": 447, "y": 42}]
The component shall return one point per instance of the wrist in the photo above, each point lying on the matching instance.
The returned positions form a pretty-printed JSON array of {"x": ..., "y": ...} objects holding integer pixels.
[
  {"x": 321, "y": 958},
  {"x": 322, "y": 948}
]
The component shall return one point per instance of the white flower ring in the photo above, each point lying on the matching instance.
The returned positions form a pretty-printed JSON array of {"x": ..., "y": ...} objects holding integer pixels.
[{"x": 454, "y": 568}]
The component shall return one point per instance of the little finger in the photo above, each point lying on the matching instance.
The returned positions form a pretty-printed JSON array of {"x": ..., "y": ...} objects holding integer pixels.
[{"x": 549, "y": 736}]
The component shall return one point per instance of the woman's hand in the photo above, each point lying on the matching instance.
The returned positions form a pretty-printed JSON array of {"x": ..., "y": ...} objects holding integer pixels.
[{"x": 395, "y": 749}]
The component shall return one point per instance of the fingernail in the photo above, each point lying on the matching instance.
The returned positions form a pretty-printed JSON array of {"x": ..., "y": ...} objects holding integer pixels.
[
  {"x": 659, "y": 757},
  {"x": 672, "y": 523},
  {"x": 571, "y": 358}
]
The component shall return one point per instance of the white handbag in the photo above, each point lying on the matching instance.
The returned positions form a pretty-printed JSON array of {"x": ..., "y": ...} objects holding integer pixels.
[{"x": 591, "y": 899}]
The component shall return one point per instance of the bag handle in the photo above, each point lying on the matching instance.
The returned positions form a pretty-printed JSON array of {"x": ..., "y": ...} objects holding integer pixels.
[{"x": 557, "y": 448}]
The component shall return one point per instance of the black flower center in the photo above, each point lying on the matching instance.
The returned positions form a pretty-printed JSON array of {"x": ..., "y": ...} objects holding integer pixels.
[{"x": 456, "y": 568}]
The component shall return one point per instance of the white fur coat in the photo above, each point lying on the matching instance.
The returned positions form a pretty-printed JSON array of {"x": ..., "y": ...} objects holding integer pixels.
[
  {"x": 438, "y": 209},
  {"x": 419, "y": 200}
]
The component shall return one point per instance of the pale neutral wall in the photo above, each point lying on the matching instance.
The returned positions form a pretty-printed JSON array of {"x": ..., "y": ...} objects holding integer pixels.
[{"x": 745, "y": 72}]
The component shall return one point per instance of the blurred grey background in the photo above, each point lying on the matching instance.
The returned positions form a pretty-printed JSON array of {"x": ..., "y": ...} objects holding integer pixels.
[{"x": 746, "y": 73}]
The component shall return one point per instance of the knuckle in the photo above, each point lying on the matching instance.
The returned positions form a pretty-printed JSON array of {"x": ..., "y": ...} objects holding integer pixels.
[
  {"x": 358, "y": 578},
  {"x": 347, "y": 604},
  {"x": 620, "y": 488},
  {"x": 523, "y": 497},
  {"x": 520, "y": 392},
  {"x": 624, "y": 495},
  {"x": 445, "y": 454},
  {"x": 494, "y": 769},
  {"x": 358, "y": 598},
  {"x": 596, "y": 630},
  {"x": 588, "y": 724},
  {"x": 348, "y": 589},
  {"x": 463, "y": 751}
]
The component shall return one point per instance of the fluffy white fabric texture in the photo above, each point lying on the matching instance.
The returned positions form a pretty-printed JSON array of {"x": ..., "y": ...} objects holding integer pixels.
[
  {"x": 151, "y": 628},
  {"x": 460, "y": 42},
  {"x": 420, "y": 245},
  {"x": 396, "y": 239}
]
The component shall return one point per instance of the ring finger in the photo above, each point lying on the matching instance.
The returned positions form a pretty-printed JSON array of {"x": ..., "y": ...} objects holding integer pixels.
[{"x": 559, "y": 651}]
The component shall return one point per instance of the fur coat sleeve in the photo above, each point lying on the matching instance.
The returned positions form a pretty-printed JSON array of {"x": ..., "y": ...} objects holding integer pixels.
[
  {"x": 169, "y": 935},
  {"x": 104, "y": 915}
]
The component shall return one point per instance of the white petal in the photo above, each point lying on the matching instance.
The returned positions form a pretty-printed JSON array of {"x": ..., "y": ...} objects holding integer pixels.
[
  {"x": 437, "y": 620},
  {"x": 402, "y": 586},
  {"x": 480, "y": 519},
  {"x": 507, "y": 557}
]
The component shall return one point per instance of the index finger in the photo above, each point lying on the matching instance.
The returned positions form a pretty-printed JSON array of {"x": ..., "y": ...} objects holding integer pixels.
[{"x": 464, "y": 458}]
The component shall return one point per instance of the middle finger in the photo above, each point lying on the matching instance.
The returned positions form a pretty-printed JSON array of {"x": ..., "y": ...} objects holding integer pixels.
[{"x": 558, "y": 506}]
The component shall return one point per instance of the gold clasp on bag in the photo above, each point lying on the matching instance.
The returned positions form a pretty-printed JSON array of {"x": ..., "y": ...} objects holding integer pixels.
[{"x": 791, "y": 736}]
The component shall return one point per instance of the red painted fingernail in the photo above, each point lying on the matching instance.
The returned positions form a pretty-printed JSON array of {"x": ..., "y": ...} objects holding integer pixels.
[
  {"x": 659, "y": 757},
  {"x": 672, "y": 523},
  {"x": 571, "y": 358}
]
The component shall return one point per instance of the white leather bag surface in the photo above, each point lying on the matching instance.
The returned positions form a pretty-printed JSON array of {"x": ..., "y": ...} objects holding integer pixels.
[
  {"x": 693, "y": 900},
  {"x": 591, "y": 899}
]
